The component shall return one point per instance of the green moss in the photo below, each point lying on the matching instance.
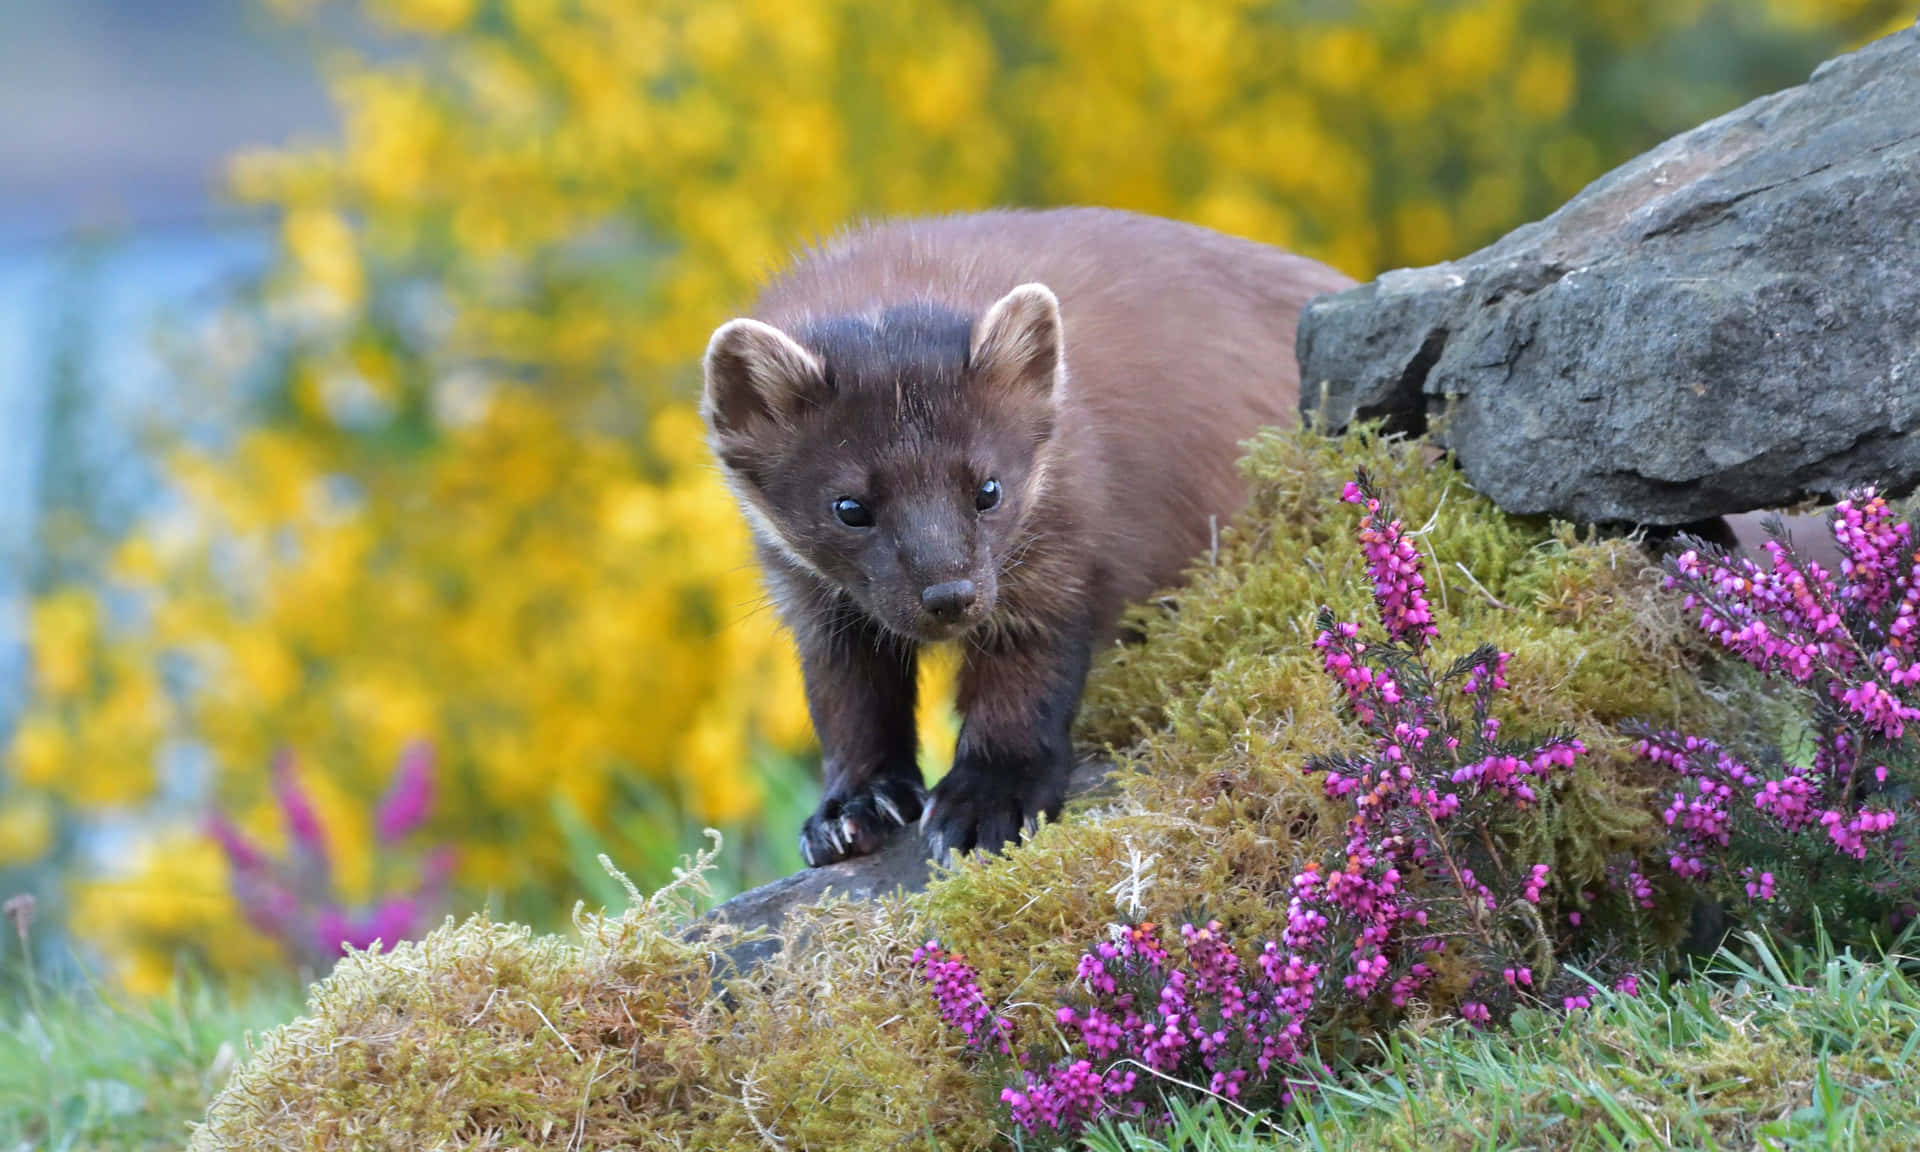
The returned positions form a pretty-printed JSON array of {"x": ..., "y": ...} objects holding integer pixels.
[
  {"x": 484, "y": 1034},
  {"x": 836, "y": 1045}
]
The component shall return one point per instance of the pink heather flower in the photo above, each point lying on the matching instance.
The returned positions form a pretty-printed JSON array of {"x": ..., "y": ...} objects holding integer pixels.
[
  {"x": 1481, "y": 677},
  {"x": 1498, "y": 773},
  {"x": 1368, "y": 973},
  {"x": 1882, "y": 711},
  {"x": 1701, "y": 825},
  {"x": 1736, "y": 598},
  {"x": 394, "y": 919},
  {"x": 1341, "y": 661},
  {"x": 390, "y": 922},
  {"x": 1850, "y": 836},
  {"x": 291, "y": 899},
  {"x": 1789, "y": 801},
  {"x": 409, "y": 797},
  {"x": 1066, "y": 1097},
  {"x": 303, "y": 824},
  {"x": 1143, "y": 940},
  {"x": 1476, "y": 1014},
  {"x": 332, "y": 934},
  {"x": 1686, "y": 867},
  {"x": 1101, "y": 1033},
  {"x": 269, "y": 906},
  {"x": 1394, "y": 563},
  {"x": 1702, "y": 821},
  {"x": 1216, "y": 968},
  {"x": 1439, "y": 806},
  {"x": 1199, "y": 1015},
  {"x": 1570, "y": 1003},
  {"x": 1094, "y": 971},
  {"x": 1404, "y": 988},
  {"x": 1640, "y": 888},
  {"x": 956, "y": 990},
  {"x": 1872, "y": 547},
  {"x": 1759, "y": 888},
  {"x": 1628, "y": 985},
  {"x": 242, "y": 855},
  {"x": 438, "y": 868},
  {"x": 1536, "y": 883}
]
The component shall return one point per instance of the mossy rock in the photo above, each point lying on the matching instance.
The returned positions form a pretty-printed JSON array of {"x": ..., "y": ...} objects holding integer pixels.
[{"x": 630, "y": 1034}]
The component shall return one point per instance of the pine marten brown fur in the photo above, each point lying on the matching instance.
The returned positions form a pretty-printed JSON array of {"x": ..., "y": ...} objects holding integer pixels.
[{"x": 996, "y": 429}]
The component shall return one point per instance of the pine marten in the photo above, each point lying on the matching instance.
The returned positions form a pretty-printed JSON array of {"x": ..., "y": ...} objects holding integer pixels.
[{"x": 996, "y": 429}]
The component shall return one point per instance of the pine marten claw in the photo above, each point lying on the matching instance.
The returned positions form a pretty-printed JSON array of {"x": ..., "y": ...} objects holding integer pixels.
[
  {"x": 986, "y": 805},
  {"x": 858, "y": 822}
]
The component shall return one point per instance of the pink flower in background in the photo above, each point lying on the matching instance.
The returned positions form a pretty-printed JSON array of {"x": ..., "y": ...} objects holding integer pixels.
[
  {"x": 303, "y": 824},
  {"x": 410, "y": 796},
  {"x": 437, "y": 869},
  {"x": 391, "y": 921},
  {"x": 293, "y": 900},
  {"x": 241, "y": 852}
]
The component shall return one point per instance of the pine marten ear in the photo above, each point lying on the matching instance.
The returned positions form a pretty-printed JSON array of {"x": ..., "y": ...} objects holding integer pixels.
[
  {"x": 758, "y": 374},
  {"x": 1018, "y": 341}
]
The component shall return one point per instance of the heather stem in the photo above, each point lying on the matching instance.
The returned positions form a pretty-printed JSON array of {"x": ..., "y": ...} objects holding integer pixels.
[{"x": 1472, "y": 900}]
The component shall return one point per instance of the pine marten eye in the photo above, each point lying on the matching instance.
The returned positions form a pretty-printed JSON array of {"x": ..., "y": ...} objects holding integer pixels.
[
  {"x": 987, "y": 497},
  {"x": 852, "y": 513}
]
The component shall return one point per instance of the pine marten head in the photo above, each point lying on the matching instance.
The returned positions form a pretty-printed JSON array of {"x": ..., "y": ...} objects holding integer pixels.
[{"x": 897, "y": 455}]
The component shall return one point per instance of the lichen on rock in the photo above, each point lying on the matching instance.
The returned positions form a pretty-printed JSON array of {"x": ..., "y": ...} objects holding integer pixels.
[{"x": 634, "y": 1033}]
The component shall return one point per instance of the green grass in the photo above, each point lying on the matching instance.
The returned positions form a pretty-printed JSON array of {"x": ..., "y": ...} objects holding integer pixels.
[
  {"x": 647, "y": 836},
  {"x": 1773, "y": 1052},
  {"x": 79, "y": 1071}
]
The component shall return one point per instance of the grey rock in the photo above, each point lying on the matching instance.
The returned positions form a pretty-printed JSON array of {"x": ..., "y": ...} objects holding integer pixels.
[
  {"x": 1729, "y": 322},
  {"x": 901, "y": 865}
]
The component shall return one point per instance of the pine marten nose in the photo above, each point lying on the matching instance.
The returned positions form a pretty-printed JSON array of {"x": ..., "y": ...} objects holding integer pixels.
[{"x": 948, "y": 601}]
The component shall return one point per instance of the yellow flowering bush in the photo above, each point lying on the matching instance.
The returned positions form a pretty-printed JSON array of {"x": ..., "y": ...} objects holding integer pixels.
[{"x": 468, "y": 499}]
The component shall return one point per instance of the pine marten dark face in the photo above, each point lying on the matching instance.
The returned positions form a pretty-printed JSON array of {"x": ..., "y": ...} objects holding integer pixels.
[{"x": 897, "y": 456}]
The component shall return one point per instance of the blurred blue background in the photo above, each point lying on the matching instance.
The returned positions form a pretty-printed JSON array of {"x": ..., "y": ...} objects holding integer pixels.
[{"x": 119, "y": 117}]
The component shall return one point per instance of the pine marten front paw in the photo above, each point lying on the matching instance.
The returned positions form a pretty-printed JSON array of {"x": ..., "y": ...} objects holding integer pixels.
[
  {"x": 991, "y": 801},
  {"x": 858, "y": 822}
]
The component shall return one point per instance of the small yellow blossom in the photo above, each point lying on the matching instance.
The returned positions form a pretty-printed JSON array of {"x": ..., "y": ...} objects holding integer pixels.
[
  {"x": 431, "y": 16},
  {"x": 322, "y": 247},
  {"x": 26, "y": 829},
  {"x": 63, "y": 636}
]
